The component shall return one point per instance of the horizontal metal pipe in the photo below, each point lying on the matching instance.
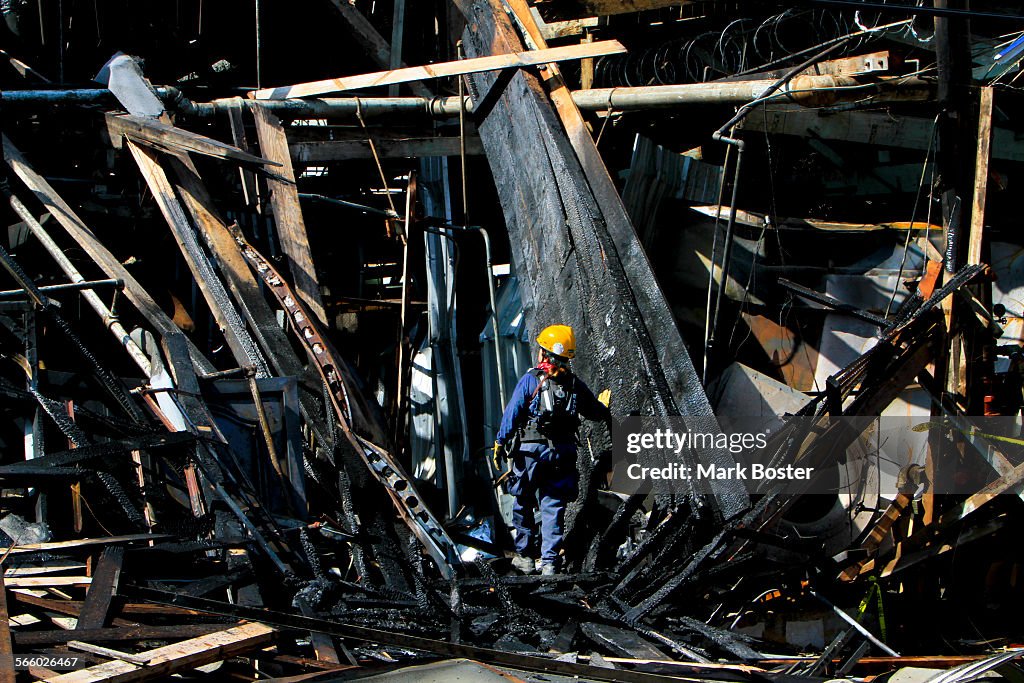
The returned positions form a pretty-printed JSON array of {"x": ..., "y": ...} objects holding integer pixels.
[
  {"x": 77, "y": 96},
  {"x": 808, "y": 90},
  {"x": 386, "y": 213},
  {"x": 174, "y": 99},
  {"x": 66, "y": 287},
  {"x": 430, "y": 107}
]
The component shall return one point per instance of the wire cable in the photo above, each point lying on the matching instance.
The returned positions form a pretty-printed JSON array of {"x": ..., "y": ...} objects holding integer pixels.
[{"x": 913, "y": 217}]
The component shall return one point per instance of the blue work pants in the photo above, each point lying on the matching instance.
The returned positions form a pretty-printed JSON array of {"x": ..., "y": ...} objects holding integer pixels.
[{"x": 543, "y": 477}]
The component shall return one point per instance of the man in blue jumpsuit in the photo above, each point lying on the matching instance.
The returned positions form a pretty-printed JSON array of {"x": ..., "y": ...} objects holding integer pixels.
[{"x": 538, "y": 433}]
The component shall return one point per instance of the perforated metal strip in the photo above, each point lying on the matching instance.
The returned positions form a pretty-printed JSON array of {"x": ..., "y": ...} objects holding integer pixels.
[{"x": 381, "y": 463}]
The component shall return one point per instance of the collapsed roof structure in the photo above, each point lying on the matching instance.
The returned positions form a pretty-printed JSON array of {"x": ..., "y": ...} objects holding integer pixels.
[{"x": 272, "y": 276}]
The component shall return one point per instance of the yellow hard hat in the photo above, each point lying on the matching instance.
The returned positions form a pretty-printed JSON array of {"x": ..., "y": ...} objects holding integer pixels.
[{"x": 559, "y": 340}]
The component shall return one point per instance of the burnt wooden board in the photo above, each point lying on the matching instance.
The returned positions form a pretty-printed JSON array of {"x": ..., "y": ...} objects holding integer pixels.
[{"x": 102, "y": 589}]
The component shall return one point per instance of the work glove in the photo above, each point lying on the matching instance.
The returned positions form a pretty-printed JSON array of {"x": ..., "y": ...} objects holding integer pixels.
[
  {"x": 605, "y": 398},
  {"x": 498, "y": 456}
]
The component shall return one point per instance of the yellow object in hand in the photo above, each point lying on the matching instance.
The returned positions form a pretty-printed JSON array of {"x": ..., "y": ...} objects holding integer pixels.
[
  {"x": 498, "y": 455},
  {"x": 605, "y": 397}
]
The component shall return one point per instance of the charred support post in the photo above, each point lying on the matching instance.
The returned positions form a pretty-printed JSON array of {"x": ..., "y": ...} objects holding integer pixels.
[{"x": 954, "y": 138}]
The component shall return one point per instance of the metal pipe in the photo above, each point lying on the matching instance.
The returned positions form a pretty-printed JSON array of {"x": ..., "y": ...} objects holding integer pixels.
[
  {"x": 714, "y": 260},
  {"x": 494, "y": 303},
  {"x": 67, "y": 287},
  {"x": 386, "y": 213},
  {"x": 109, "y": 319},
  {"x": 65, "y": 96},
  {"x": 811, "y": 90},
  {"x": 855, "y": 624},
  {"x": 723, "y": 280},
  {"x": 430, "y": 107}
]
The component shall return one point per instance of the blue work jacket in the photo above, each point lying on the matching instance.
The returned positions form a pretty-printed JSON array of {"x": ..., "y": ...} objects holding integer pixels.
[{"x": 525, "y": 405}]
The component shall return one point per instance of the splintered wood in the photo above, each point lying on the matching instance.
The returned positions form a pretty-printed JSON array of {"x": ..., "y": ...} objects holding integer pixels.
[
  {"x": 167, "y": 660},
  {"x": 173, "y": 139}
]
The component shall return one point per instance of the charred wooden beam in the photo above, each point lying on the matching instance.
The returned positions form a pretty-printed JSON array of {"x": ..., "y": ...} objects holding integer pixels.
[
  {"x": 229, "y": 321},
  {"x": 105, "y": 579},
  {"x": 171, "y": 138},
  {"x": 344, "y": 150},
  {"x": 109, "y": 263}
]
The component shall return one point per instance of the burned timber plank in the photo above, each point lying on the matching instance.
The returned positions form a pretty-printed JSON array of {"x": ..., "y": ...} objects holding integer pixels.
[
  {"x": 622, "y": 642},
  {"x": 343, "y": 150},
  {"x": 493, "y": 62},
  {"x": 102, "y": 589},
  {"x": 164, "y": 661},
  {"x": 981, "y": 165},
  {"x": 574, "y": 246},
  {"x": 171, "y": 138},
  {"x": 406, "y": 640},
  {"x": 107, "y": 262},
  {"x": 71, "y": 608},
  {"x": 60, "y": 546},
  {"x": 284, "y": 200},
  {"x": 117, "y": 634},
  {"x": 243, "y": 348}
]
